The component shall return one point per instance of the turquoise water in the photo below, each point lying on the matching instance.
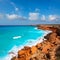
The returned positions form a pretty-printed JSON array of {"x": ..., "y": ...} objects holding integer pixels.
[{"x": 16, "y": 35}]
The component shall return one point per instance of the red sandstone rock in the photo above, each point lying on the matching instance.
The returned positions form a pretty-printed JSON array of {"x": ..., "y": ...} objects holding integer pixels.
[
  {"x": 33, "y": 49},
  {"x": 46, "y": 48}
]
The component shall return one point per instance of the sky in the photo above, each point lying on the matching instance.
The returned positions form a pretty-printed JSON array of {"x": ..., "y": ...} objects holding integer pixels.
[{"x": 29, "y": 12}]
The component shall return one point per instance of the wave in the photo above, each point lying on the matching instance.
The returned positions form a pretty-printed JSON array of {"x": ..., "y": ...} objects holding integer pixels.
[
  {"x": 12, "y": 53},
  {"x": 32, "y": 42},
  {"x": 35, "y": 28},
  {"x": 17, "y": 37}
]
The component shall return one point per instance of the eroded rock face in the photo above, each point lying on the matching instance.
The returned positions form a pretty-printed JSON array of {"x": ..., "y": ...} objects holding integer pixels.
[
  {"x": 47, "y": 50},
  {"x": 24, "y": 53},
  {"x": 48, "y": 27},
  {"x": 57, "y": 53},
  {"x": 58, "y": 32}
]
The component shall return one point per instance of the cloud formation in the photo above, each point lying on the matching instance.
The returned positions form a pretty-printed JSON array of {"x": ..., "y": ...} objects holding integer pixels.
[
  {"x": 15, "y": 16},
  {"x": 16, "y": 9},
  {"x": 1, "y": 16},
  {"x": 43, "y": 17},
  {"x": 13, "y": 4},
  {"x": 12, "y": 17},
  {"x": 37, "y": 10},
  {"x": 33, "y": 16},
  {"x": 52, "y": 17}
]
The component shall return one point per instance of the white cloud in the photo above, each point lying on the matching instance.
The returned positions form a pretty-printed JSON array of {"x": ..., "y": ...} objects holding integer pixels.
[
  {"x": 52, "y": 17},
  {"x": 33, "y": 16},
  {"x": 14, "y": 17},
  {"x": 43, "y": 17},
  {"x": 37, "y": 10},
  {"x": 13, "y": 4},
  {"x": 16, "y": 9},
  {"x": 1, "y": 16}
]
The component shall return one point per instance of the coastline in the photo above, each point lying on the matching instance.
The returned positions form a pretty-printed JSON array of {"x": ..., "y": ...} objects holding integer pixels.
[
  {"x": 14, "y": 51},
  {"x": 47, "y": 48},
  {"x": 29, "y": 44}
]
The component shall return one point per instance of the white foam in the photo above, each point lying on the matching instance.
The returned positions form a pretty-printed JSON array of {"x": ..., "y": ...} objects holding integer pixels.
[
  {"x": 35, "y": 28},
  {"x": 8, "y": 57},
  {"x": 12, "y": 53},
  {"x": 32, "y": 42},
  {"x": 17, "y": 37}
]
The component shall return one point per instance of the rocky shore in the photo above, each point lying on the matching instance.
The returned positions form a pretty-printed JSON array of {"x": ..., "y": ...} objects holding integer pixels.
[{"x": 49, "y": 49}]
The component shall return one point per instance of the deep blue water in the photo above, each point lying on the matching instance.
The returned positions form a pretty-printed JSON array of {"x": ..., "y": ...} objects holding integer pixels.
[{"x": 16, "y": 35}]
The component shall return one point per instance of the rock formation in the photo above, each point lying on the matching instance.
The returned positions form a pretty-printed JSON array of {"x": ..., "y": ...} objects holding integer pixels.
[{"x": 47, "y": 50}]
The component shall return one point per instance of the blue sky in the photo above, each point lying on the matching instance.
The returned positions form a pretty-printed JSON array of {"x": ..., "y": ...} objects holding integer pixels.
[{"x": 27, "y": 12}]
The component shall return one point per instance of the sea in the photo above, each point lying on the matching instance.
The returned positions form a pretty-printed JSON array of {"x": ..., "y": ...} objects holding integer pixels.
[{"x": 14, "y": 38}]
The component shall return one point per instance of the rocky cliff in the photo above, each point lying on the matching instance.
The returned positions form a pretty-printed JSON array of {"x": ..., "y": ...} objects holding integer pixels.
[{"x": 47, "y": 50}]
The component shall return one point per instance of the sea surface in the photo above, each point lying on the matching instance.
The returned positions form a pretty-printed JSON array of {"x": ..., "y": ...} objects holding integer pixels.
[{"x": 12, "y": 37}]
